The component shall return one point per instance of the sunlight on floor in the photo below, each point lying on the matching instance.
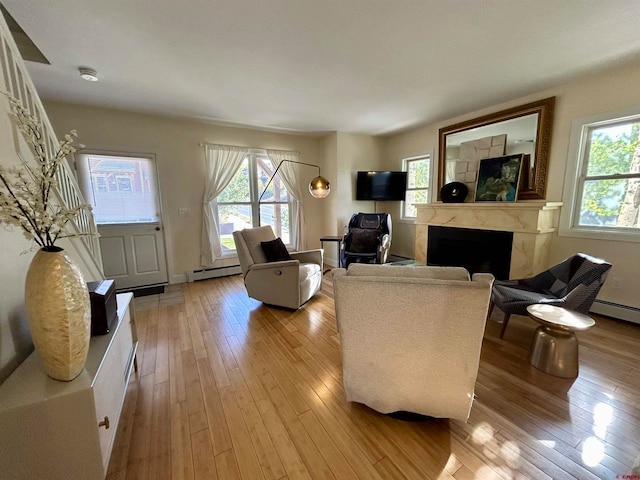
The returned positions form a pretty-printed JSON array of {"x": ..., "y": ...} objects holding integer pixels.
[
  {"x": 452, "y": 464},
  {"x": 602, "y": 416},
  {"x": 486, "y": 471},
  {"x": 510, "y": 452},
  {"x": 484, "y": 435},
  {"x": 315, "y": 321},
  {"x": 593, "y": 447},
  {"x": 506, "y": 454},
  {"x": 592, "y": 451}
]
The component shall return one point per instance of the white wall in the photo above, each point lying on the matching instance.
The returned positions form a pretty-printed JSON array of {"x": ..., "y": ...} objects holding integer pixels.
[
  {"x": 611, "y": 90},
  {"x": 175, "y": 143},
  {"x": 345, "y": 154},
  {"x": 329, "y": 151},
  {"x": 356, "y": 152}
]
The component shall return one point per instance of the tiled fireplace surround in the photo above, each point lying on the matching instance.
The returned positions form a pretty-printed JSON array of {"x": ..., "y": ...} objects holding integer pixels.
[{"x": 532, "y": 224}]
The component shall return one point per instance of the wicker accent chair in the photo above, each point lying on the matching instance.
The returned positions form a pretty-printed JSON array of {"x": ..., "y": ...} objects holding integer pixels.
[{"x": 573, "y": 284}]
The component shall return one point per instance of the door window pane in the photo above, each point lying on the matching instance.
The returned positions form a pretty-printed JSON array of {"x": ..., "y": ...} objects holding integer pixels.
[{"x": 120, "y": 189}]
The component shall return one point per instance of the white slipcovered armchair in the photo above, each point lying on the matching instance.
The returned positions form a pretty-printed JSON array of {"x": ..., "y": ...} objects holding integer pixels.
[
  {"x": 288, "y": 283},
  {"x": 411, "y": 337}
]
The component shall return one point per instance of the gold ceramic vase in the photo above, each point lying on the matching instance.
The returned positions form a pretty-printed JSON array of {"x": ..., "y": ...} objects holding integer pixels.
[{"x": 58, "y": 313}]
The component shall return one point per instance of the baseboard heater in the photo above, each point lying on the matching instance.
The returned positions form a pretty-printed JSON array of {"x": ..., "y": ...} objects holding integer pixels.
[
  {"x": 206, "y": 273},
  {"x": 616, "y": 310}
]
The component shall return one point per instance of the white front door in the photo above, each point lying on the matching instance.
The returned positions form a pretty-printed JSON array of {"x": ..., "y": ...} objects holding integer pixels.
[
  {"x": 133, "y": 254},
  {"x": 123, "y": 192}
]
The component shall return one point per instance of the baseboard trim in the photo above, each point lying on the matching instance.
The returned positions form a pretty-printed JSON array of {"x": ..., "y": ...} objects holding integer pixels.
[
  {"x": 206, "y": 273},
  {"x": 331, "y": 262},
  {"x": 144, "y": 290},
  {"x": 616, "y": 310}
]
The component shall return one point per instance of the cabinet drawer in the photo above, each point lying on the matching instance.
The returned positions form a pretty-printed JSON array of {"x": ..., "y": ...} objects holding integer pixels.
[{"x": 110, "y": 385}]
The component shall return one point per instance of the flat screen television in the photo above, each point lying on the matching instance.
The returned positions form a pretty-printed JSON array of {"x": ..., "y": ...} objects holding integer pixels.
[{"x": 381, "y": 186}]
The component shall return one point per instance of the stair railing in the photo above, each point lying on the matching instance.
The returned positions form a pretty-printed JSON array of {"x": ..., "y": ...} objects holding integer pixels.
[{"x": 18, "y": 83}]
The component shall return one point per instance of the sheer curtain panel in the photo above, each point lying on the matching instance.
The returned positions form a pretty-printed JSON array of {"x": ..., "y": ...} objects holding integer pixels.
[
  {"x": 221, "y": 162},
  {"x": 290, "y": 175}
]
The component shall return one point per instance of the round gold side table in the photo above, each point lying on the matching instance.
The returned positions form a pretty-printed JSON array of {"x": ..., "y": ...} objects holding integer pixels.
[{"x": 554, "y": 349}]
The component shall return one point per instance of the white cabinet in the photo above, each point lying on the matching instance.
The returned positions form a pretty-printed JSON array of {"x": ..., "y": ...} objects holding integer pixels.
[{"x": 58, "y": 430}]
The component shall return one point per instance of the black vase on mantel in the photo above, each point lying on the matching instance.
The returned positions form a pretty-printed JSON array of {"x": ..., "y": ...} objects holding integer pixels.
[{"x": 454, "y": 192}]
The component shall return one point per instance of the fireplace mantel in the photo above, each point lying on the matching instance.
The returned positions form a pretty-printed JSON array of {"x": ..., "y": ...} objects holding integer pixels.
[{"x": 532, "y": 223}]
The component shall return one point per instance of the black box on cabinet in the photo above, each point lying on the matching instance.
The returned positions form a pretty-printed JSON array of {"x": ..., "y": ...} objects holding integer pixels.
[{"x": 104, "y": 309}]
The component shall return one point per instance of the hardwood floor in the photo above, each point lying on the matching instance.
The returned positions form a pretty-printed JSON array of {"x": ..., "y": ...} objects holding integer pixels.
[{"x": 228, "y": 388}]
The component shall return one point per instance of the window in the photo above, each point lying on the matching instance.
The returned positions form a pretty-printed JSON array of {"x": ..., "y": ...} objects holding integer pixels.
[
  {"x": 418, "y": 174},
  {"x": 123, "y": 184},
  {"x": 100, "y": 183},
  {"x": 238, "y": 206},
  {"x": 120, "y": 188},
  {"x": 602, "y": 194}
]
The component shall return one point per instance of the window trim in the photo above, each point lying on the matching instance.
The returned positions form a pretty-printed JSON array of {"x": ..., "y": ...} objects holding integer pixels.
[
  {"x": 405, "y": 161},
  {"x": 573, "y": 185}
]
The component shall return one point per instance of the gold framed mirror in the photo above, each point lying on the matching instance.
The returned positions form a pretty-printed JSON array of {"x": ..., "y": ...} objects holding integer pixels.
[{"x": 525, "y": 129}]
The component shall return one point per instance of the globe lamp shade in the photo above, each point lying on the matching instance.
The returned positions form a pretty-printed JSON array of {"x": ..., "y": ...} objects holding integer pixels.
[{"x": 319, "y": 187}]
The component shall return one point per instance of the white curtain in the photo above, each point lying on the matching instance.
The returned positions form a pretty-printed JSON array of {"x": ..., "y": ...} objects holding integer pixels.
[
  {"x": 221, "y": 162},
  {"x": 292, "y": 181}
]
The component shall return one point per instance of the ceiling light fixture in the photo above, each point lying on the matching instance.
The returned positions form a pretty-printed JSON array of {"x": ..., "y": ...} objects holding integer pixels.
[{"x": 88, "y": 74}]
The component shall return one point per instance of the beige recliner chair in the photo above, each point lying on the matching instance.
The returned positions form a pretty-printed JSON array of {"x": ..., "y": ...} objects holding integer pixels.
[
  {"x": 287, "y": 283},
  {"x": 410, "y": 337}
]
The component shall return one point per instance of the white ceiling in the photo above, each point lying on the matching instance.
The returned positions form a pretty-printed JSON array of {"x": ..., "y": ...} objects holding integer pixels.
[{"x": 368, "y": 66}]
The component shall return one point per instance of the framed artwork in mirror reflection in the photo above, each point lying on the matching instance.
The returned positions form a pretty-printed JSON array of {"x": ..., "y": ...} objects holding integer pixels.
[{"x": 498, "y": 179}]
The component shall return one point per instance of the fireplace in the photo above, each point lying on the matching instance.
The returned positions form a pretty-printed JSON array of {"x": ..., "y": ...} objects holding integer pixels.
[
  {"x": 531, "y": 223},
  {"x": 476, "y": 250}
]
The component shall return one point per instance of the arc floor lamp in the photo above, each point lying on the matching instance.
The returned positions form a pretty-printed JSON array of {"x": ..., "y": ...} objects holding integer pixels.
[{"x": 319, "y": 186}]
